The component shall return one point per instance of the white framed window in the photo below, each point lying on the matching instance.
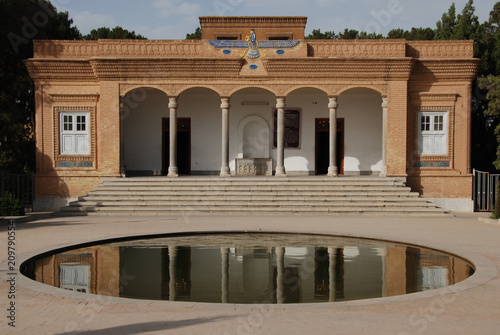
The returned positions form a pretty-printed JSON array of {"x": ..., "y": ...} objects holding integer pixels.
[
  {"x": 74, "y": 128},
  {"x": 432, "y": 133},
  {"x": 75, "y": 277}
]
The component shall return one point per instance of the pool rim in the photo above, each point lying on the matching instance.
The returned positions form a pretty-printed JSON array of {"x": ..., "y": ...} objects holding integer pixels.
[{"x": 484, "y": 271}]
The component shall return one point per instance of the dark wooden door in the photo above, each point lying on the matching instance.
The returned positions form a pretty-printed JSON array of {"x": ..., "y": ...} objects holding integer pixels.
[
  {"x": 183, "y": 145},
  {"x": 323, "y": 146}
]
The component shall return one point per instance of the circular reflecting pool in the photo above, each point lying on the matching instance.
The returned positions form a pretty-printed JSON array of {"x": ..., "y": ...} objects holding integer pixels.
[{"x": 249, "y": 268}]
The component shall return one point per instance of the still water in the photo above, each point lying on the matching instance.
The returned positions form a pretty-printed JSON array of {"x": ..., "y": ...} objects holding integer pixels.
[{"x": 249, "y": 268}]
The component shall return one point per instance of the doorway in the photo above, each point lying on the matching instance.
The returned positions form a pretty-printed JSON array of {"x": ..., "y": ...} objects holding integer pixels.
[
  {"x": 323, "y": 146},
  {"x": 183, "y": 145}
]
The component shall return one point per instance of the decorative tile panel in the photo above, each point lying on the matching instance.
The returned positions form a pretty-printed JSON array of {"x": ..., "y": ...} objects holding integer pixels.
[
  {"x": 261, "y": 44},
  {"x": 432, "y": 164},
  {"x": 75, "y": 164}
]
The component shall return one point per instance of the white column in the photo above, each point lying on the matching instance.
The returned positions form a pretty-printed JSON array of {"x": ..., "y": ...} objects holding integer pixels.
[
  {"x": 280, "y": 145},
  {"x": 224, "y": 170},
  {"x": 331, "y": 270},
  {"x": 280, "y": 264},
  {"x": 333, "y": 168},
  {"x": 172, "y": 273},
  {"x": 173, "y": 171},
  {"x": 385, "y": 105},
  {"x": 225, "y": 274}
]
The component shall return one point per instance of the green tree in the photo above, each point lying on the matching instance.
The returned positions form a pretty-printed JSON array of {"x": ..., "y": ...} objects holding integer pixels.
[
  {"x": 371, "y": 36},
  {"x": 318, "y": 35},
  {"x": 492, "y": 85},
  {"x": 446, "y": 27},
  {"x": 467, "y": 23},
  {"x": 21, "y": 21},
  {"x": 194, "y": 36},
  {"x": 415, "y": 34},
  {"x": 116, "y": 33},
  {"x": 349, "y": 34}
]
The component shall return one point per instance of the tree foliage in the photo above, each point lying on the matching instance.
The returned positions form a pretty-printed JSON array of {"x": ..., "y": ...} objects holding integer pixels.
[
  {"x": 194, "y": 36},
  {"x": 415, "y": 34},
  {"x": 115, "y": 33},
  {"x": 491, "y": 84},
  {"x": 21, "y": 21}
]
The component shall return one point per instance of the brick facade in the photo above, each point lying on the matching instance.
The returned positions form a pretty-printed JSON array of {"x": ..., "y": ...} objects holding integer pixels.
[{"x": 97, "y": 75}]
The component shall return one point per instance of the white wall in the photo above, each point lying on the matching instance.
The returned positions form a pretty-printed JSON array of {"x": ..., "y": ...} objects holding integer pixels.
[
  {"x": 142, "y": 126},
  {"x": 203, "y": 107},
  {"x": 360, "y": 108},
  {"x": 363, "y": 131}
]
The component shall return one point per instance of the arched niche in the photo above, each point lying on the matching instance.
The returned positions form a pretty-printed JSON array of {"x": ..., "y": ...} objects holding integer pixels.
[{"x": 253, "y": 138}]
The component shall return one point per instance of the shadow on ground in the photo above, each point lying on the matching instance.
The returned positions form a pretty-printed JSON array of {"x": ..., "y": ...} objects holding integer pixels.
[{"x": 137, "y": 328}]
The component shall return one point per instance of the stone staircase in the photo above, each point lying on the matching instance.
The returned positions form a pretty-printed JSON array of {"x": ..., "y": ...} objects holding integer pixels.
[{"x": 260, "y": 195}]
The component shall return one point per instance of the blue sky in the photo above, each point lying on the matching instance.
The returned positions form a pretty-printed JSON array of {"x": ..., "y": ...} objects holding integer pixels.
[{"x": 172, "y": 19}]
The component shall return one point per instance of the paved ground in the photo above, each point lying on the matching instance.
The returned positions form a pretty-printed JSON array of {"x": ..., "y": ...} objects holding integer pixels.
[{"x": 471, "y": 307}]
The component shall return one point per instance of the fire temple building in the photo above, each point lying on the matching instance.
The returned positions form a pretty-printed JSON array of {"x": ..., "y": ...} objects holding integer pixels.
[{"x": 254, "y": 97}]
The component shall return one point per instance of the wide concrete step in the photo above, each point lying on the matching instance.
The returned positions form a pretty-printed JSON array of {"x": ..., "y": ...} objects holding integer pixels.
[
  {"x": 251, "y": 197},
  {"x": 123, "y": 210},
  {"x": 266, "y": 195},
  {"x": 257, "y": 179},
  {"x": 304, "y": 188},
  {"x": 249, "y": 184},
  {"x": 202, "y": 193},
  {"x": 258, "y": 204}
]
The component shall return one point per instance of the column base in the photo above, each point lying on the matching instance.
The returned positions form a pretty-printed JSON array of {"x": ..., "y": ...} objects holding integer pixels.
[
  {"x": 333, "y": 171},
  {"x": 225, "y": 171},
  {"x": 280, "y": 171},
  {"x": 383, "y": 172},
  {"x": 173, "y": 172}
]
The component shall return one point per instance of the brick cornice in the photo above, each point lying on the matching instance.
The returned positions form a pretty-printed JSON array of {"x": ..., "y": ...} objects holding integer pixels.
[
  {"x": 397, "y": 68},
  {"x": 254, "y": 21},
  {"x": 461, "y": 69},
  {"x": 60, "y": 69},
  {"x": 166, "y": 68}
]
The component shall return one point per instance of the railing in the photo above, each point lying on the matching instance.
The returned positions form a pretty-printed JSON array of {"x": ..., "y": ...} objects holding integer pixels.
[
  {"x": 22, "y": 186},
  {"x": 484, "y": 190}
]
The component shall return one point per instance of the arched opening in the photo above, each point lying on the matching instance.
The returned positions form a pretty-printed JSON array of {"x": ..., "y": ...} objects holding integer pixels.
[
  {"x": 198, "y": 148},
  {"x": 311, "y": 155},
  {"x": 251, "y": 115},
  {"x": 361, "y": 111},
  {"x": 142, "y": 110}
]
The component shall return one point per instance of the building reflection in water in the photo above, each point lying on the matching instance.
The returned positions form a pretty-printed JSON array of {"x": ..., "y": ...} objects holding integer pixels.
[{"x": 237, "y": 272}]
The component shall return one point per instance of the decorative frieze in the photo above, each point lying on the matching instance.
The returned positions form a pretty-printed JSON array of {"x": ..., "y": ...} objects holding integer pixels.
[
  {"x": 440, "y": 49},
  {"x": 74, "y": 97},
  {"x": 65, "y": 49},
  {"x": 357, "y": 49}
]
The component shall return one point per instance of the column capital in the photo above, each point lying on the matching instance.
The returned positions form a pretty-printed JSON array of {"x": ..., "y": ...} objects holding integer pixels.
[
  {"x": 280, "y": 102},
  {"x": 332, "y": 102},
  {"x": 225, "y": 103},
  {"x": 385, "y": 101},
  {"x": 172, "y": 102}
]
